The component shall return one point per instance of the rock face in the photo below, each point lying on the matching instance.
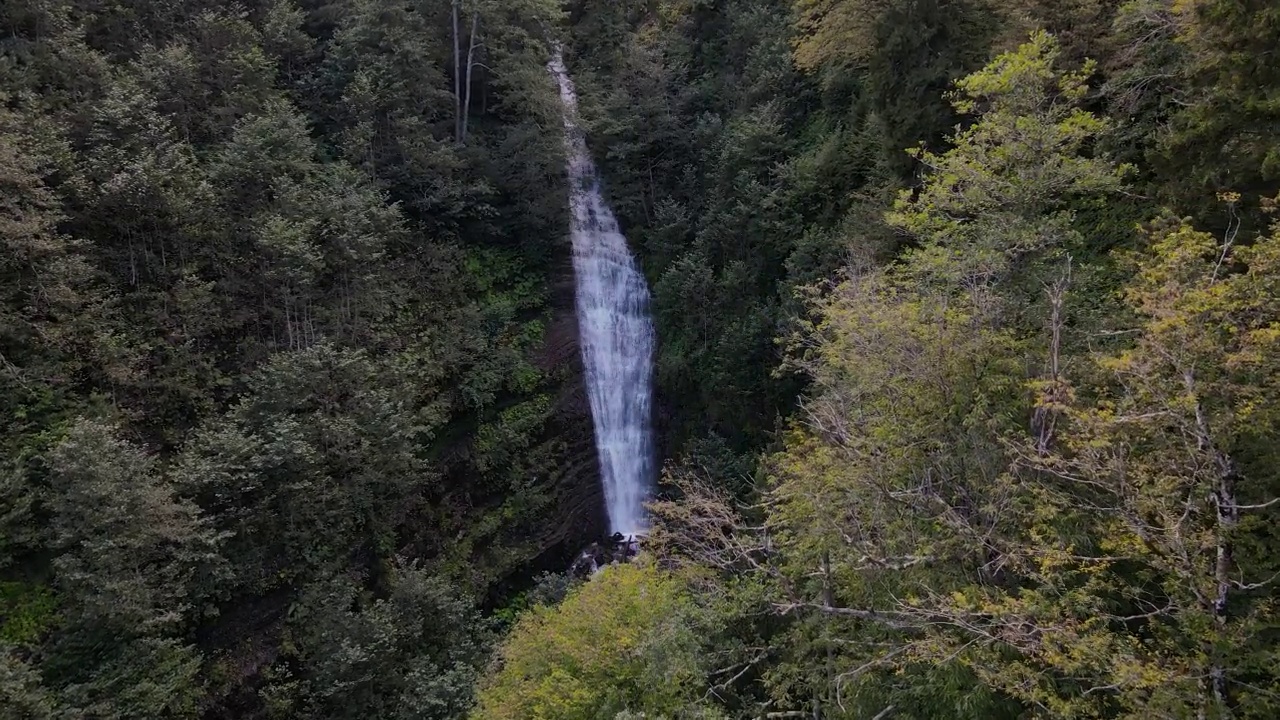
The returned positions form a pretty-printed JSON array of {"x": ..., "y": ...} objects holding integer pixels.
[
  {"x": 597, "y": 352},
  {"x": 615, "y": 330},
  {"x": 579, "y": 516}
]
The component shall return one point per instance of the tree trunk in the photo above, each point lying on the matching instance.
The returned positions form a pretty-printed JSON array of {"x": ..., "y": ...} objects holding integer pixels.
[
  {"x": 1044, "y": 417},
  {"x": 1228, "y": 517},
  {"x": 457, "y": 77},
  {"x": 471, "y": 54}
]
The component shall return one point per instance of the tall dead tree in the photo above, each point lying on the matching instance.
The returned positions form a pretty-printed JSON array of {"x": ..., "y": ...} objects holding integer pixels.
[
  {"x": 457, "y": 76},
  {"x": 471, "y": 64},
  {"x": 463, "y": 70}
]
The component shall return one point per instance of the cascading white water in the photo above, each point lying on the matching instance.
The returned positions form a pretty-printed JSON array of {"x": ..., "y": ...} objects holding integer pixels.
[{"x": 615, "y": 331}]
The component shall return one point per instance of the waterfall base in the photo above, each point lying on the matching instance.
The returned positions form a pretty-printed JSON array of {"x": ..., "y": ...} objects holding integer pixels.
[{"x": 618, "y": 549}]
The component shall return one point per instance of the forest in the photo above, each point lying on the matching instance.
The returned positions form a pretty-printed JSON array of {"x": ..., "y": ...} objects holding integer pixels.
[{"x": 967, "y": 375}]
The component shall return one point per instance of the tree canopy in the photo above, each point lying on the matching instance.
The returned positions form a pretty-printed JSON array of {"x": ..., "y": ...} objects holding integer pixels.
[{"x": 966, "y": 385}]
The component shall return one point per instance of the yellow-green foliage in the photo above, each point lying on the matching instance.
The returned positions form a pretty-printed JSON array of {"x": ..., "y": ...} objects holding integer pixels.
[
  {"x": 1005, "y": 189},
  {"x": 1145, "y": 576},
  {"x": 850, "y": 33},
  {"x": 835, "y": 30},
  {"x": 918, "y": 369},
  {"x": 907, "y": 388},
  {"x": 1070, "y": 536},
  {"x": 26, "y": 611},
  {"x": 623, "y": 641}
]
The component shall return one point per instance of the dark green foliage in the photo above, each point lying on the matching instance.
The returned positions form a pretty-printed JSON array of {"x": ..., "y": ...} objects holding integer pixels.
[
  {"x": 21, "y": 696},
  {"x": 1223, "y": 138},
  {"x": 919, "y": 49},
  {"x": 306, "y": 317},
  {"x": 113, "y": 516},
  {"x": 319, "y": 461},
  {"x": 129, "y": 562},
  {"x": 414, "y": 653}
]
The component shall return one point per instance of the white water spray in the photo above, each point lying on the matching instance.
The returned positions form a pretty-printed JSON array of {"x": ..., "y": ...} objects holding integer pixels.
[{"x": 616, "y": 333}]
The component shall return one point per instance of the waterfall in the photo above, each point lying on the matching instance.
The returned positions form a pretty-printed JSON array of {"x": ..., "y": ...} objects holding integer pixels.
[{"x": 615, "y": 331}]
